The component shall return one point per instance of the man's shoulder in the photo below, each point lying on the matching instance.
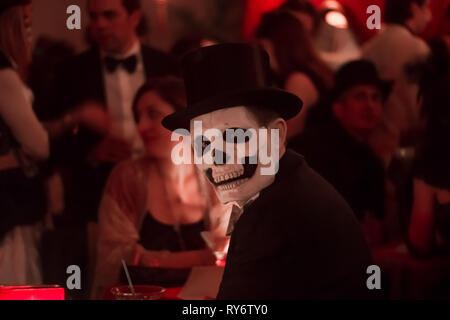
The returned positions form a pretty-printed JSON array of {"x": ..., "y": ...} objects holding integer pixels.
[
  {"x": 307, "y": 181},
  {"x": 302, "y": 187},
  {"x": 300, "y": 177},
  {"x": 388, "y": 35},
  {"x": 322, "y": 138}
]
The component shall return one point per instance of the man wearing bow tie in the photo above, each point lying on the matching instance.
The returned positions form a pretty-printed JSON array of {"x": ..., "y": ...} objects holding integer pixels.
[{"x": 95, "y": 91}]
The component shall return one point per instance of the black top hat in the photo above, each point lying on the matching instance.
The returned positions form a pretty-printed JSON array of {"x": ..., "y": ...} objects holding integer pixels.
[
  {"x": 6, "y": 4},
  {"x": 229, "y": 75},
  {"x": 356, "y": 73}
]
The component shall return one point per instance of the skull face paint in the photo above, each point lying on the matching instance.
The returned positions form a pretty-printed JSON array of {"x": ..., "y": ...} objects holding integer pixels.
[{"x": 235, "y": 176}]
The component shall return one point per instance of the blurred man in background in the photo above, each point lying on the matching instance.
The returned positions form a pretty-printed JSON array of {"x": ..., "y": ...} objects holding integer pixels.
[{"x": 339, "y": 149}]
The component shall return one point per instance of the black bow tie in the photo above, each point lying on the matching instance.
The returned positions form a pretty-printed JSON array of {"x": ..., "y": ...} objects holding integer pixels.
[{"x": 128, "y": 64}]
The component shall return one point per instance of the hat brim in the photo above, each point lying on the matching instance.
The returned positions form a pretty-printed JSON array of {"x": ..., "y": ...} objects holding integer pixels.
[
  {"x": 384, "y": 86},
  {"x": 286, "y": 104}
]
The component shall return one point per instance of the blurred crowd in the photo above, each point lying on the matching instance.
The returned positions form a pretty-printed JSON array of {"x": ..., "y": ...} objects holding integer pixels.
[{"x": 86, "y": 176}]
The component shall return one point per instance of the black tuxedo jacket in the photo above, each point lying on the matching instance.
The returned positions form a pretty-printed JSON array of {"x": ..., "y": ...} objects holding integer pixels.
[
  {"x": 81, "y": 78},
  {"x": 298, "y": 240},
  {"x": 78, "y": 80}
]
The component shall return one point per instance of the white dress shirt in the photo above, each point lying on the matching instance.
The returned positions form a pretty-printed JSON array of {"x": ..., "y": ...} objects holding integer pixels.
[{"x": 120, "y": 90}]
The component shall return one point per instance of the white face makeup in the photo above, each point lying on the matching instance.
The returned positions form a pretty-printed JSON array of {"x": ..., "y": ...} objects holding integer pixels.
[{"x": 233, "y": 182}]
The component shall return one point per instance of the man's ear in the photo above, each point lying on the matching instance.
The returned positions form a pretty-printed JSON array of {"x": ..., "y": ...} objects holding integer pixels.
[
  {"x": 136, "y": 17},
  {"x": 281, "y": 125}
]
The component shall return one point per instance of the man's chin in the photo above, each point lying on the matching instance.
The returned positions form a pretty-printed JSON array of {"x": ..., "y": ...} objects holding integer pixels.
[
  {"x": 231, "y": 196},
  {"x": 108, "y": 46}
]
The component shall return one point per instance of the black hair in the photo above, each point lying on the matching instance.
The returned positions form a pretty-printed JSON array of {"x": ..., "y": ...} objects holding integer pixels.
[
  {"x": 131, "y": 5},
  {"x": 398, "y": 11},
  {"x": 293, "y": 46},
  {"x": 170, "y": 88},
  {"x": 303, "y": 6},
  {"x": 263, "y": 115}
]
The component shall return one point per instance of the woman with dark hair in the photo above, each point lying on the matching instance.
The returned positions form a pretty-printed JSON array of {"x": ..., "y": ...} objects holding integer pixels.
[
  {"x": 305, "y": 11},
  {"x": 23, "y": 142},
  {"x": 153, "y": 212},
  {"x": 295, "y": 63}
]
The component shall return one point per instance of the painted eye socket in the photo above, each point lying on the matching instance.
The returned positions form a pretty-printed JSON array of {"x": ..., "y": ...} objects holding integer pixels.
[
  {"x": 237, "y": 135},
  {"x": 204, "y": 143}
]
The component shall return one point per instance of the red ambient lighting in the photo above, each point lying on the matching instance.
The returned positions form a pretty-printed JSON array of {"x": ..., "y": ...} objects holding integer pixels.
[{"x": 32, "y": 293}]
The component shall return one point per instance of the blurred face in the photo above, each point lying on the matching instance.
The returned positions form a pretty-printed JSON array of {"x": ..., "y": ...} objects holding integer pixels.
[
  {"x": 151, "y": 110},
  {"x": 360, "y": 109},
  {"x": 421, "y": 16},
  {"x": 111, "y": 26}
]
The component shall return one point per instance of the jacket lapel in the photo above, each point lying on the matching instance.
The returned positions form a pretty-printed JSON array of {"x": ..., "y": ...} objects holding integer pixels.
[{"x": 95, "y": 83}]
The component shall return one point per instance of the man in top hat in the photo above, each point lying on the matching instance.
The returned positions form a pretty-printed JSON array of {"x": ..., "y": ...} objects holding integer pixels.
[
  {"x": 339, "y": 148},
  {"x": 292, "y": 234}
]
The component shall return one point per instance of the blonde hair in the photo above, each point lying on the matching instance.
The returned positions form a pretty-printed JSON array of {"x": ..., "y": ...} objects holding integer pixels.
[{"x": 13, "y": 37}]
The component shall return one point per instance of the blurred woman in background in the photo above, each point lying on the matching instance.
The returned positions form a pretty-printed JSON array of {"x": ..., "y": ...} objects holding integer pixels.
[
  {"x": 153, "y": 212},
  {"x": 297, "y": 67},
  {"x": 429, "y": 228},
  {"x": 23, "y": 141}
]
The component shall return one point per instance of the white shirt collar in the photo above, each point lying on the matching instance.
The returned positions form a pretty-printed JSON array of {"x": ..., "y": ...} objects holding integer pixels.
[
  {"x": 242, "y": 205},
  {"x": 237, "y": 210}
]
